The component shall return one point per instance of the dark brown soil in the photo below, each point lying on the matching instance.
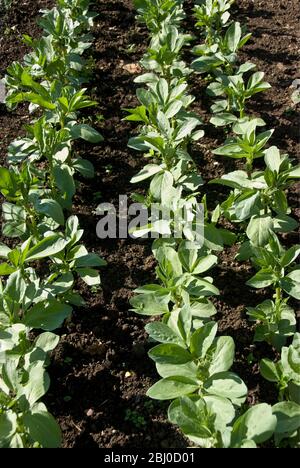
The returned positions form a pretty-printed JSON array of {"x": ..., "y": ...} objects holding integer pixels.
[{"x": 100, "y": 370}]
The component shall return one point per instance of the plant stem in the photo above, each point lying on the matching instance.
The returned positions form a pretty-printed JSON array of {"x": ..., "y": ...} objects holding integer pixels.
[{"x": 278, "y": 295}]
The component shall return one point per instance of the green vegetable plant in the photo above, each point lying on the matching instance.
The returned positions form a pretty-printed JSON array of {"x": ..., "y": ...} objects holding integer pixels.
[
  {"x": 219, "y": 59},
  {"x": 179, "y": 270},
  {"x": 24, "y": 419},
  {"x": 237, "y": 91},
  {"x": 163, "y": 55},
  {"x": 155, "y": 12},
  {"x": 277, "y": 269},
  {"x": 45, "y": 301},
  {"x": 212, "y": 16},
  {"x": 257, "y": 201},
  {"x": 38, "y": 273},
  {"x": 246, "y": 144},
  {"x": 285, "y": 373},
  {"x": 211, "y": 422},
  {"x": 194, "y": 361},
  {"x": 259, "y": 195},
  {"x": 221, "y": 53}
]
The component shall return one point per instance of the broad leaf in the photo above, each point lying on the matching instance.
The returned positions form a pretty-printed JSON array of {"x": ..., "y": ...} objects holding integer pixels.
[{"x": 172, "y": 387}]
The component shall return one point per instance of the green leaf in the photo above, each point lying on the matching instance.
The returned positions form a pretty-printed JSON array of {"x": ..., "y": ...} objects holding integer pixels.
[
  {"x": 84, "y": 167},
  {"x": 258, "y": 424},
  {"x": 86, "y": 132},
  {"x": 188, "y": 370},
  {"x": 161, "y": 184},
  {"x": 290, "y": 256},
  {"x": 247, "y": 205},
  {"x": 8, "y": 185},
  {"x": 213, "y": 240},
  {"x": 203, "y": 308},
  {"x": 236, "y": 179},
  {"x": 35, "y": 99},
  {"x": 15, "y": 220},
  {"x": 162, "y": 333},
  {"x": 15, "y": 287},
  {"x": 284, "y": 223},
  {"x": 231, "y": 150},
  {"x": 47, "y": 341},
  {"x": 294, "y": 173},
  {"x": 148, "y": 171},
  {"x": 151, "y": 304},
  {"x": 245, "y": 67},
  {"x": 262, "y": 279},
  {"x": 8, "y": 426},
  {"x": 186, "y": 414},
  {"x": 280, "y": 202},
  {"x": 163, "y": 89},
  {"x": 199, "y": 288},
  {"x": 288, "y": 417},
  {"x": 223, "y": 355},
  {"x": 163, "y": 124},
  {"x": 38, "y": 383},
  {"x": 138, "y": 143},
  {"x": 51, "y": 209},
  {"x": 47, "y": 247},
  {"x": 4, "y": 250},
  {"x": 227, "y": 385},
  {"x": 173, "y": 109},
  {"x": 64, "y": 180},
  {"x": 169, "y": 354},
  {"x": 269, "y": 370},
  {"x": 273, "y": 159},
  {"x": 89, "y": 260},
  {"x": 172, "y": 387},
  {"x": 222, "y": 409},
  {"x": 291, "y": 283},
  {"x": 27, "y": 80},
  {"x": 169, "y": 261},
  {"x": 6, "y": 269},
  {"x": 139, "y": 114},
  {"x": 290, "y": 360},
  {"x": 202, "y": 339},
  {"x": 90, "y": 277},
  {"x": 258, "y": 230},
  {"x": 188, "y": 256},
  {"x": 223, "y": 118},
  {"x": 205, "y": 263},
  {"x": 233, "y": 36},
  {"x": 43, "y": 428},
  {"x": 186, "y": 128},
  {"x": 255, "y": 80},
  {"x": 206, "y": 64},
  {"x": 47, "y": 316}
]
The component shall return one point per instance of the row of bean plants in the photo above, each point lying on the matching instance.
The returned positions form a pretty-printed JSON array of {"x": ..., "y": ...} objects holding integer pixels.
[
  {"x": 257, "y": 203},
  {"x": 193, "y": 363},
  {"x": 43, "y": 256}
]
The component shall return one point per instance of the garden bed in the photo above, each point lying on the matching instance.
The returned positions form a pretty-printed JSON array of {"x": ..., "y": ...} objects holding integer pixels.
[{"x": 100, "y": 371}]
